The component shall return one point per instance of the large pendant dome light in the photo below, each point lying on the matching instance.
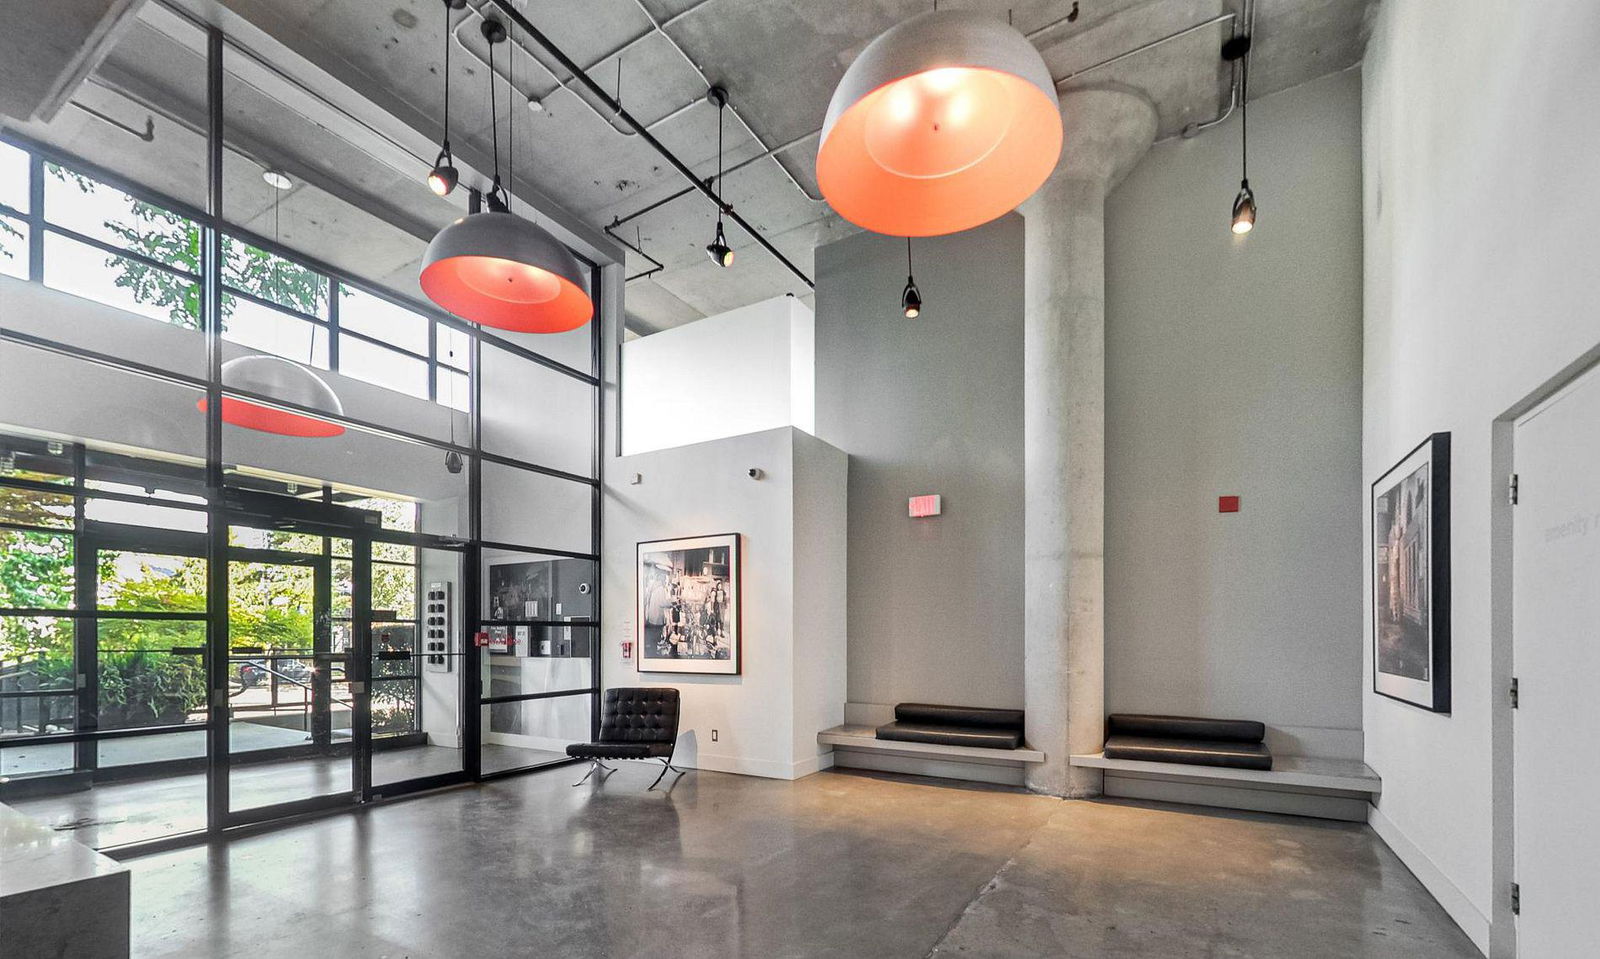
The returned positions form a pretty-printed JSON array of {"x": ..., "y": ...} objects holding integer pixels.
[
  {"x": 497, "y": 269},
  {"x": 285, "y": 380},
  {"x": 943, "y": 123}
]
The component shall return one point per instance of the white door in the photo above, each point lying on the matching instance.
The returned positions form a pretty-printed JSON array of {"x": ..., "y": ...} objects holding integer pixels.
[{"x": 1556, "y": 648}]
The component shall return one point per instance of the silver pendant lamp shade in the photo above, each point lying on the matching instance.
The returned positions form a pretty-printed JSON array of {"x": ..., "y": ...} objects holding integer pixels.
[
  {"x": 278, "y": 378},
  {"x": 943, "y": 123},
  {"x": 498, "y": 269}
]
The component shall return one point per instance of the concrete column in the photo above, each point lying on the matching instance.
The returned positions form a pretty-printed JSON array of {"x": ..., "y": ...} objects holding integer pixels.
[{"x": 1107, "y": 131}]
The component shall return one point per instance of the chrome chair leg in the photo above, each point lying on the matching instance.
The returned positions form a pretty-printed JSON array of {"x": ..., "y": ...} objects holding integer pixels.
[
  {"x": 666, "y": 764},
  {"x": 594, "y": 764}
]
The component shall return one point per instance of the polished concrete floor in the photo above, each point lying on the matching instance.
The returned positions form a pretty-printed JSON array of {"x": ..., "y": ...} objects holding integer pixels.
[
  {"x": 112, "y": 814},
  {"x": 837, "y": 864}
]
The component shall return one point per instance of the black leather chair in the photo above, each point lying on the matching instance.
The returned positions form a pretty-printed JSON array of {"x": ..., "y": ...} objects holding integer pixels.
[{"x": 636, "y": 722}]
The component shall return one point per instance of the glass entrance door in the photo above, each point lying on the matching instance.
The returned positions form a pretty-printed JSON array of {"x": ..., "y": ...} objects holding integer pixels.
[{"x": 298, "y": 618}]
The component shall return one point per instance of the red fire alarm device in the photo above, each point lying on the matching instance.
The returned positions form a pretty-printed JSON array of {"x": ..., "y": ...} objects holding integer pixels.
[
  {"x": 922, "y": 507},
  {"x": 1227, "y": 504}
]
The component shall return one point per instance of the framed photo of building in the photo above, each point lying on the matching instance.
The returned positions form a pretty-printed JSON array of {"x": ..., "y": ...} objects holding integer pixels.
[
  {"x": 687, "y": 598},
  {"x": 1411, "y": 578}
]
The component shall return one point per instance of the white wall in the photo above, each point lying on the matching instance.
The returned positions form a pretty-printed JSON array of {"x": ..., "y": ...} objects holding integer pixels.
[
  {"x": 1481, "y": 206},
  {"x": 739, "y": 372},
  {"x": 1233, "y": 366},
  {"x": 930, "y": 405},
  {"x": 792, "y": 522}
]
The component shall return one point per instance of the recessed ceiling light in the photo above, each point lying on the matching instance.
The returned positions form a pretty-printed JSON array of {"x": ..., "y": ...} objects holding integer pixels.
[{"x": 277, "y": 179}]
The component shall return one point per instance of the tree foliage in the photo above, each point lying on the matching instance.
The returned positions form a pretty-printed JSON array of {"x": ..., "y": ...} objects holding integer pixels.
[{"x": 177, "y": 241}]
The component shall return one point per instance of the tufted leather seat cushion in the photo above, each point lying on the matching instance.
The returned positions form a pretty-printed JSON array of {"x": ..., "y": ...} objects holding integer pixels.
[
  {"x": 619, "y": 750},
  {"x": 636, "y": 722}
]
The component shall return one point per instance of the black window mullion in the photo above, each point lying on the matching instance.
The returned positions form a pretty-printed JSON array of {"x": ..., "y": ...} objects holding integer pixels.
[
  {"x": 335, "y": 331},
  {"x": 35, "y": 218}
]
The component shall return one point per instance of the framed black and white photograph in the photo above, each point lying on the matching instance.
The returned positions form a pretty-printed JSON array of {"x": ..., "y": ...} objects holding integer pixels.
[
  {"x": 688, "y": 605},
  {"x": 520, "y": 591},
  {"x": 1411, "y": 578}
]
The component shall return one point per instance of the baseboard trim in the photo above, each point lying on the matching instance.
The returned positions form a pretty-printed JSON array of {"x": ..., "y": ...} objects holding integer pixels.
[
  {"x": 1455, "y": 902},
  {"x": 764, "y": 768}
]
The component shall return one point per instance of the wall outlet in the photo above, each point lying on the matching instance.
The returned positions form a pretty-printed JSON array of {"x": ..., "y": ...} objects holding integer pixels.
[{"x": 713, "y": 735}]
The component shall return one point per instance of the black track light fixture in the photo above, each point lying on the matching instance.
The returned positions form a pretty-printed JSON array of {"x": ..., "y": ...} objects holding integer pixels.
[
  {"x": 910, "y": 297},
  {"x": 718, "y": 249},
  {"x": 1237, "y": 52},
  {"x": 444, "y": 175}
]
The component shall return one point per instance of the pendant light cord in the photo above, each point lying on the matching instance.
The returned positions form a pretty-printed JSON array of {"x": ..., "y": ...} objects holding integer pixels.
[
  {"x": 908, "y": 259},
  {"x": 511, "y": 113},
  {"x": 447, "y": 45},
  {"x": 1244, "y": 117},
  {"x": 494, "y": 123},
  {"x": 721, "y": 204}
]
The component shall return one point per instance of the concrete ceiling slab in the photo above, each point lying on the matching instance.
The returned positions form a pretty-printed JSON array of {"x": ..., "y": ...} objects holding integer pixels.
[{"x": 780, "y": 60}]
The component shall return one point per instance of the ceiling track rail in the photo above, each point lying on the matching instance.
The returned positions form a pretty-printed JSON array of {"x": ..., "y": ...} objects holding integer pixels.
[{"x": 508, "y": 8}]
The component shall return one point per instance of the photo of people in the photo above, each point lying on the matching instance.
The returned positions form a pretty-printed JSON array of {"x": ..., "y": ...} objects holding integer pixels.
[
  {"x": 1411, "y": 578},
  {"x": 688, "y": 605},
  {"x": 1401, "y": 519}
]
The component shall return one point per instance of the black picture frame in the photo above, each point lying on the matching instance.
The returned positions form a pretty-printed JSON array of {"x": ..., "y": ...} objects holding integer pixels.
[
  {"x": 1409, "y": 525},
  {"x": 648, "y": 659}
]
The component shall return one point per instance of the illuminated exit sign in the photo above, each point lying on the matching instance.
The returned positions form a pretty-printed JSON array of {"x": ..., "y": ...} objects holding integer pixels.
[{"x": 924, "y": 506}]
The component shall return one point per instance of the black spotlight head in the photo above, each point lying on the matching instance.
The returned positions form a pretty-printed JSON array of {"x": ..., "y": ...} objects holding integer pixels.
[
  {"x": 718, "y": 249},
  {"x": 442, "y": 178},
  {"x": 1244, "y": 209},
  {"x": 911, "y": 300}
]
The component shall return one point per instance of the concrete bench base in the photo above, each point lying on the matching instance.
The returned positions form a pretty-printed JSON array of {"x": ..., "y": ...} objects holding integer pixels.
[{"x": 1321, "y": 788}]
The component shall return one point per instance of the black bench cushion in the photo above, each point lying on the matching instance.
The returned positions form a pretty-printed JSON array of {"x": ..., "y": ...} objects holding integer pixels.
[
  {"x": 1194, "y": 752},
  {"x": 619, "y": 750},
  {"x": 987, "y": 737},
  {"x": 1185, "y": 727},
  {"x": 931, "y": 714}
]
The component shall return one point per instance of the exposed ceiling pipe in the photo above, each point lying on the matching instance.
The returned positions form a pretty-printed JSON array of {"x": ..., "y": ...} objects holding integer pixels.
[
  {"x": 1141, "y": 48},
  {"x": 508, "y": 7},
  {"x": 1236, "y": 77},
  {"x": 656, "y": 27},
  {"x": 656, "y": 266},
  {"x": 1034, "y": 35}
]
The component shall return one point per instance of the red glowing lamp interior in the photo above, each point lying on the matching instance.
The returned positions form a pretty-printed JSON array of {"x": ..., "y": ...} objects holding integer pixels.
[
  {"x": 940, "y": 151},
  {"x": 266, "y": 419},
  {"x": 506, "y": 294}
]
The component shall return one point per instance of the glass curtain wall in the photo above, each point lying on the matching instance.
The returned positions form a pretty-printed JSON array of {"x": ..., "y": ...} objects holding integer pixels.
[{"x": 204, "y": 625}]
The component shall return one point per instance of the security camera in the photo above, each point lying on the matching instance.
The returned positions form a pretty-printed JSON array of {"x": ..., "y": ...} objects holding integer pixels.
[{"x": 756, "y": 473}]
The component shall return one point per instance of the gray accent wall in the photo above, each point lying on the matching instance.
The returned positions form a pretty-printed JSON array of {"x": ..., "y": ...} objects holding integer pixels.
[
  {"x": 928, "y": 405},
  {"x": 1233, "y": 367}
]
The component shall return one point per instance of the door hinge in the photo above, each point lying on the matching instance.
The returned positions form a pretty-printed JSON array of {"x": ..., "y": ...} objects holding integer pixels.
[
  {"x": 1512, "y": 489},
  {"x": 1516, "y": 699},
  {"x": 1516, "y": 899}
]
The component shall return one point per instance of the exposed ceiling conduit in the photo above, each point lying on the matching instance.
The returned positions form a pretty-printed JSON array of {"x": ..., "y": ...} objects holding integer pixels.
[
  {"x": 1033, "y": 36},
  {"x": 657, "y": 27},
  {"x": 508, "y": 7},
  {"x": 1236, "y": 78}
]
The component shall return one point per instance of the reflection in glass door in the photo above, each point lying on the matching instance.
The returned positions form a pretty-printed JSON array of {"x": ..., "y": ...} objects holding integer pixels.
[
  {"x": 416, "y": 667},
  {"x": 294, "y": 693}
]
